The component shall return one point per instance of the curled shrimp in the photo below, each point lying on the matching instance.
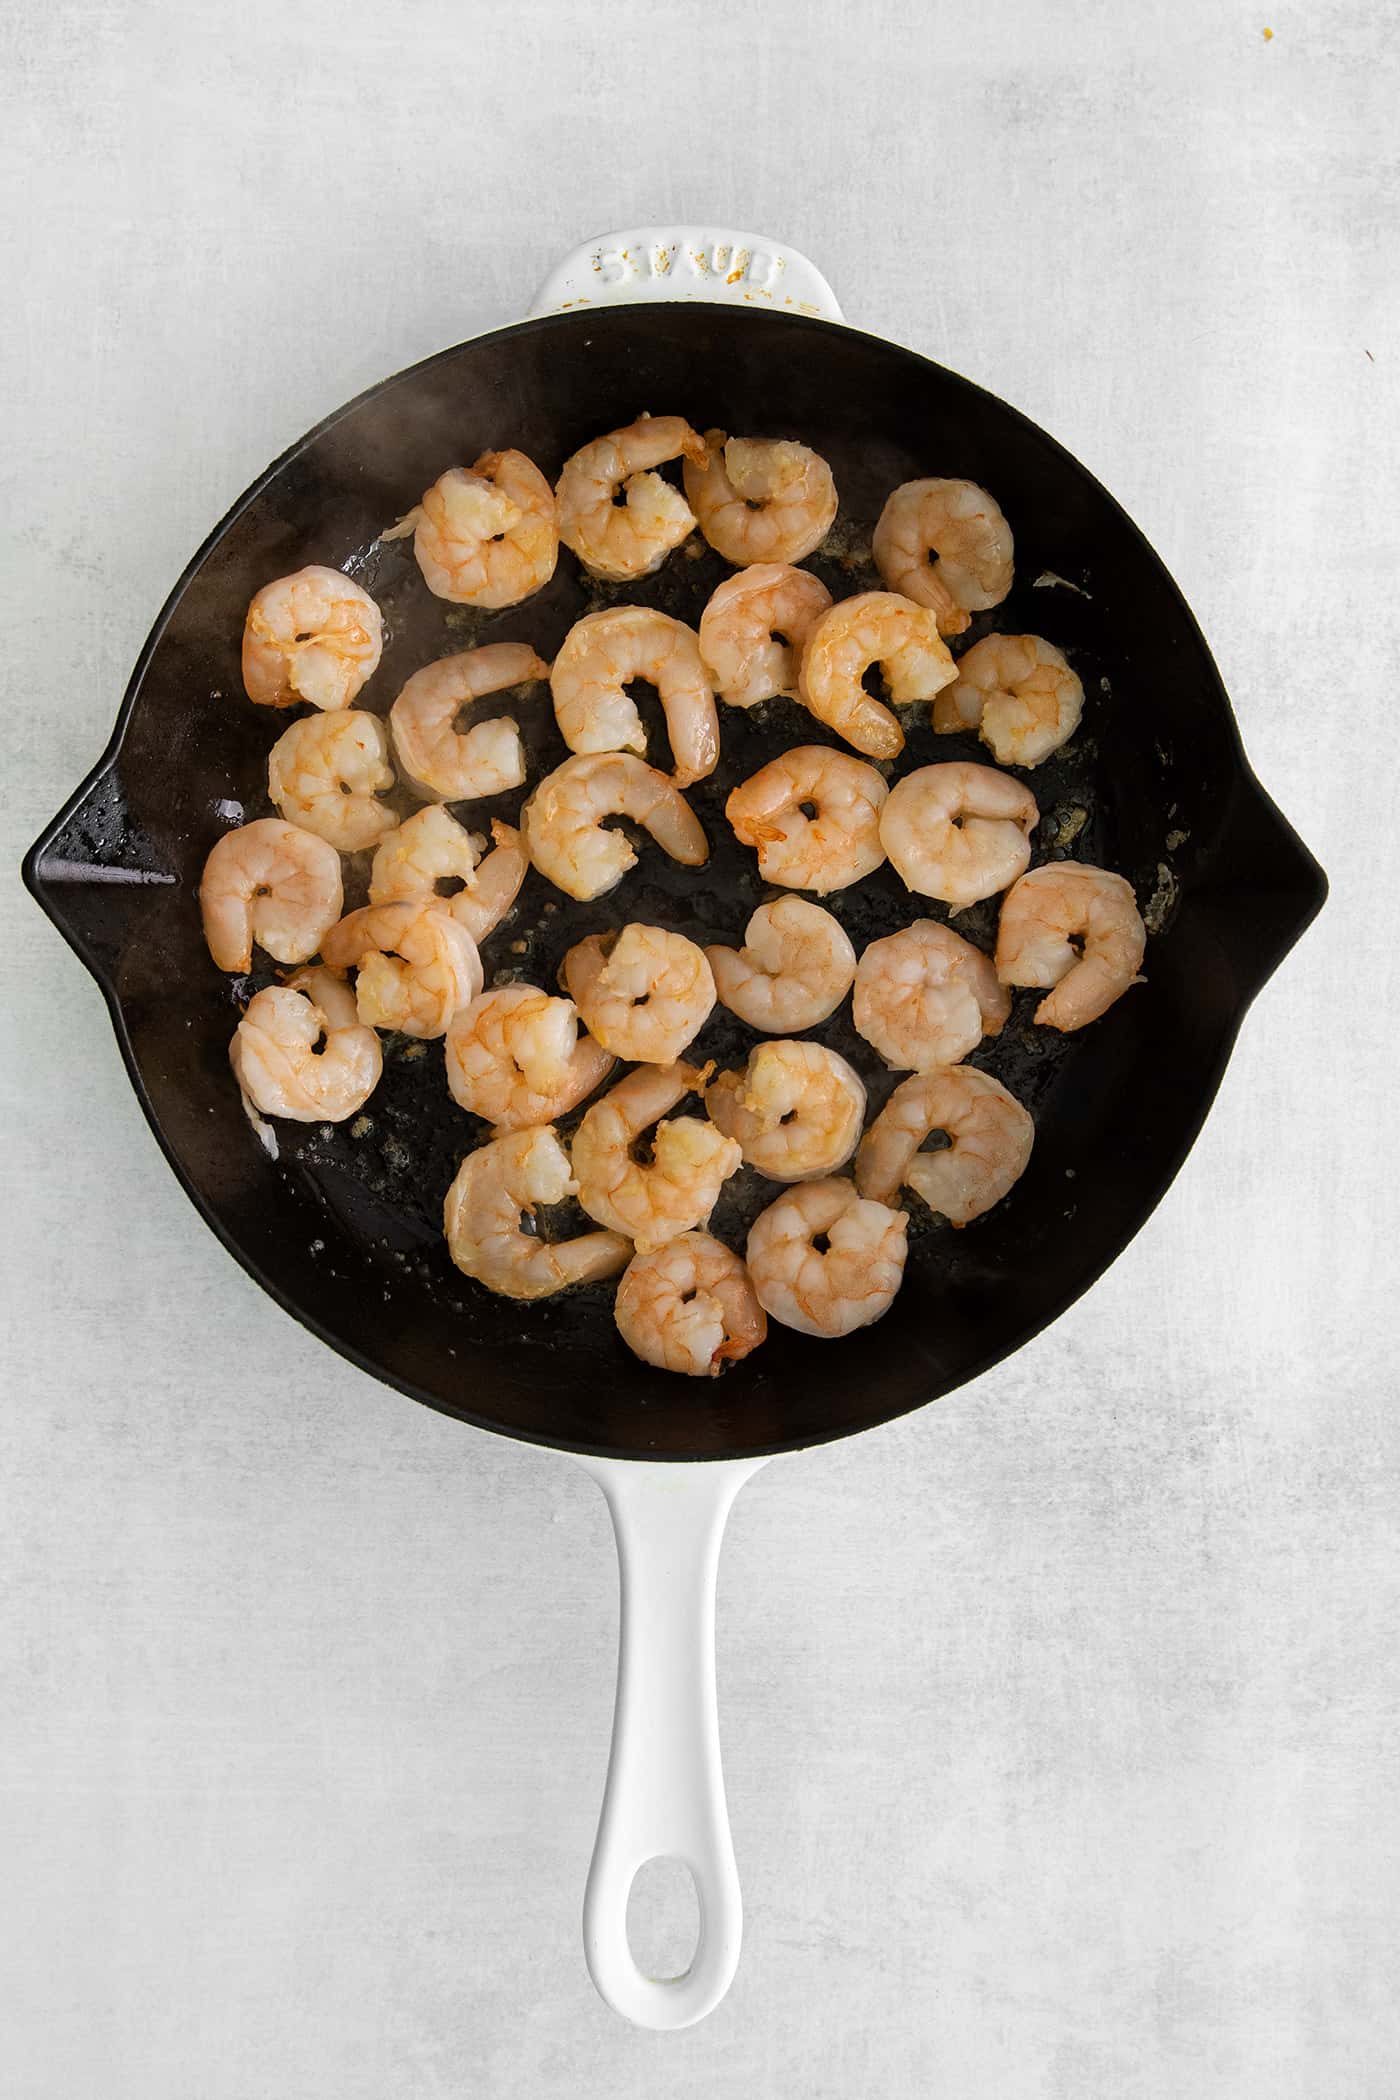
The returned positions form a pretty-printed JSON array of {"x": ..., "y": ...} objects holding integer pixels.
[
  {"x": 275, "y": 1054},
  {"x": 689, "y": 1306},
  {"x": 273, "y": 883},
  {"x": 946, "y": 545},
  {"x": 431, "y": 855},
  {"x": 645, "y": 994},
  {"x": 599, "y": 658},
  {"x": 416, "y": 966},
  {"x": 795, "y": 968},
  {"x": 754, "y": 629},
  {"x": 848, "y": 1282},
  {"x": 760, "y": 499},
  {"x": 515, "y": 1056},
  {"x": 813, "y": 817},
  {"x": 485, "y": 536},
  {"x": 1018, "y": 692},
  {"x": 958, "y": 832},
  {"x": 486, "y": 759},
  {"x": 690, "y": 1163},
  {"x": 621, "y": 541},
  {"x": 502, "y": 1184},
  {"x": 989, "y": 1143},
  {"x": 1077, "y": 929},
  {"x": 326, "y": 772},
  {"x": 313, "y": 636},
  {"x": 875, "y": 627},
  {"x": 563, "y": 821},
  {"x": 925, "y": 997},
  {"x": 796, "y": 1109}
]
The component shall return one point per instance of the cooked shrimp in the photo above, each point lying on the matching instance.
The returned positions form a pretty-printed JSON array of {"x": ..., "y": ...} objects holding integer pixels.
[
  {"x": 945, "y": 544},
  {"x": 325, "y": 772},
  {"x": 272, "y": 883},
  {"x": 621, "y": 541},
  {"x": 846, "y": 1284},
  {"x": 497, "y": 1187},
  {"x": 1018, "y": 692},
  {"x": 428, "y": 849},
  {"x": 760, "y": 499},
  {"x": 989, "y": 1142},
  {"x": 796, "y": 1109},
  {"x": 277, "y": 1063},
  {"x": 416, "y": 965},
  {"x": 814, "y": 817},
  {"x": 875, "y": 627},
  {"x": 1076, "y": 928},
  {"x": 795, "y": 968},
  {"x": 488, "y": 758},
  {"x": 563, "y": 821},
  {"x": 958, "y": 832},
  {"x": 599, "y": 658},
  {"x": 689, "y": 1307},
  {"x": 515, "y": 1056},
  {"x": 313, "y": 636},
  {"x": 754, "y": 628},
  {"x": 485, "y": 537},
  {"x": 925, "y": 997},
  {"x": 644, "y": 994},
  {"x": 432, "y": 855},
  {"x": 690, "y": 1163}
]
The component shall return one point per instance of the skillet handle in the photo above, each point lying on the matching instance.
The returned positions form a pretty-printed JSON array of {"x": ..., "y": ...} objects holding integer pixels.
[
  {"x": 687, "y": 262},
  {"x": 664, "y": 1797}
]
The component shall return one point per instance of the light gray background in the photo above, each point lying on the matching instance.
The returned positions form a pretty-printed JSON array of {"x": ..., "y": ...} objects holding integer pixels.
[{"x": 1060, "y": 1719}]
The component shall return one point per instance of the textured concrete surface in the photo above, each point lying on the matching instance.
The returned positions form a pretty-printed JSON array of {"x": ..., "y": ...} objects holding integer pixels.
[{"x": 1060, "y": 1719}]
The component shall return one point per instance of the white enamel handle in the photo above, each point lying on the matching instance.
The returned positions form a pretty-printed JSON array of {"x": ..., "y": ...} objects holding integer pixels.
[
  {"x": 687, "y": 262},
  {"x": 664, "y": 1797}
]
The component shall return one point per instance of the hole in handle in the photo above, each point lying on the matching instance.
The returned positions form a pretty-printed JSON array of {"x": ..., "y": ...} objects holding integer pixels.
[{"x": 663, "y": 1919}]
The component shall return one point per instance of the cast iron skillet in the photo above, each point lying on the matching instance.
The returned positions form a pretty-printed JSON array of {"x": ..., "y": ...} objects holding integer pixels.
[{"x": 344, "y": 1227}]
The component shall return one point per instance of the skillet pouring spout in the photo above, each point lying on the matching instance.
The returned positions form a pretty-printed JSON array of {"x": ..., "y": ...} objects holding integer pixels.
[
  {"x": 1266, "y": 889},
  {"x": 96, "y": 873}
]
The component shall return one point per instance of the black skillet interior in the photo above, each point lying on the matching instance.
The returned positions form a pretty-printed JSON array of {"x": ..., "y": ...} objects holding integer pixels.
[{"x": 344, "y": 1227}]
